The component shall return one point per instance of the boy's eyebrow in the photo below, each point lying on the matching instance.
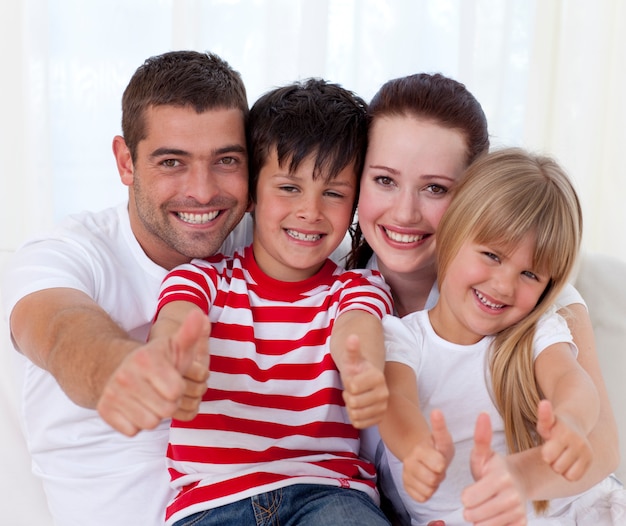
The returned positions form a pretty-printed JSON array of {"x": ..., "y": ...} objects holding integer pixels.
[{"x": 293, "y": 177}]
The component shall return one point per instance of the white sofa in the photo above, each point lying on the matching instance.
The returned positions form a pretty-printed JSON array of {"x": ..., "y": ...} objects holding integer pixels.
[{"x": 600, "y": 279}]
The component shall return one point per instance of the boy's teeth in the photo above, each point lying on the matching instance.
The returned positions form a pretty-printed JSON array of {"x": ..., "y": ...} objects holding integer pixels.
[
  {"x": 485, "y": 301},
  {"x": 403, "y": 238},
  {"x": 197, "y": 219},
  {"x": 303, "y": 237}
]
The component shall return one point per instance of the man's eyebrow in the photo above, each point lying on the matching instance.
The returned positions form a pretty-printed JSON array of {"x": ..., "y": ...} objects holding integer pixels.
[
  {"x": 160, "y": 152},
  {"x": 235, "y": 148},
  {"x": 177, "y": 152}
]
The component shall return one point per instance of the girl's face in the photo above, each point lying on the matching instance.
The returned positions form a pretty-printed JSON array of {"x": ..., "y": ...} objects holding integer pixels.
[
  {"x": 411, "y": 168},
  {"x": 487, "y": 289}
]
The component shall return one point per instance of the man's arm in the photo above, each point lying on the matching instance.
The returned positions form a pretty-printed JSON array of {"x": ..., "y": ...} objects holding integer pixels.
[
  {"x": 65, "y": 332},
  {"x": 133, "y": 385}
]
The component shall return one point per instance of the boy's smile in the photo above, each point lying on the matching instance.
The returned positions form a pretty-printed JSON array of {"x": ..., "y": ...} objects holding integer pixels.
[{"x": 298, "y": 220}]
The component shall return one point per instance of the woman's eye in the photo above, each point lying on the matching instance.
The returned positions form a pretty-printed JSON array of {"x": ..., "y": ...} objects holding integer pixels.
[
  {"x": 383, "y": 180},
  {"x": 437, "y": 189}
]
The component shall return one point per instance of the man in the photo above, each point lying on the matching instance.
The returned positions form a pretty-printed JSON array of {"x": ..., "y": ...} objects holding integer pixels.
[{"x": 80, "y": 300}]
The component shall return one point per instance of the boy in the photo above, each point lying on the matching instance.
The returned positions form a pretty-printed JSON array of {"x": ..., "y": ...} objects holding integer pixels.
[{"x": 274, "y": 440}]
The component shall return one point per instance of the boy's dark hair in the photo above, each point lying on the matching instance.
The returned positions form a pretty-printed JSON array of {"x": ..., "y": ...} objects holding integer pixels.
[
  {"x": 202, "y": 81},
  {"x": 311, "y": 117}
]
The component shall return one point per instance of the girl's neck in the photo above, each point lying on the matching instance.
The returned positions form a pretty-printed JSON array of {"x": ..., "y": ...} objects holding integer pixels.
[{"x": 411, "y": 290}]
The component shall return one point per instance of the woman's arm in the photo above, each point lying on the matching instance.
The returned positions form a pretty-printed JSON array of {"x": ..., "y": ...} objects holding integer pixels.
[{"x": 568, "y": 413}]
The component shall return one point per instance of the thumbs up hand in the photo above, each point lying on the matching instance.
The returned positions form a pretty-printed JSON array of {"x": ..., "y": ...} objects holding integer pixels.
[
  {"x": 424, "y": 468},
  {"x": 365, "y": 391},
  {"x": 190, "y": 345}
]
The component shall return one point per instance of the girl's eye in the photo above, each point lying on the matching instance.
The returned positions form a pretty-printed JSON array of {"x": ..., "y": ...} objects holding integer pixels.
[
  {"x": 384, "y": 180},
  {"x": 530, "y": 275},
  {"x": 491, "y": 255}
]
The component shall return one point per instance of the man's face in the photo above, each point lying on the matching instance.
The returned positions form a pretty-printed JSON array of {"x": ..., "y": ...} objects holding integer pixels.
[{"x": 189, "y": 183}]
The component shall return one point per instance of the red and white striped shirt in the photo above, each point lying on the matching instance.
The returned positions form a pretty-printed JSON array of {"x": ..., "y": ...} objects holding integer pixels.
[{"x": 273, "y": 413}]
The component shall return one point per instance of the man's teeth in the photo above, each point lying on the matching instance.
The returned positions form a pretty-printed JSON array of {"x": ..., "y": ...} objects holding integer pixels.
[
  {"x": 197, "y": 219},
  {"x": 488, "y": 303},
  {"x": 403, "y": 238},
  {"x": 303, "y": 237}
]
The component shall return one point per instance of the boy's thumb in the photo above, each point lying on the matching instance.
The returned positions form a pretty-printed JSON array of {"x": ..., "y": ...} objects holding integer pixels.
[{"x": 352, "y": 356}]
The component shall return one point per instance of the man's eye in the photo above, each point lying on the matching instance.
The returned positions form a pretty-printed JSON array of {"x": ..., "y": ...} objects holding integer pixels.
[
  {"x": 228, "y": 160},
  {"x": 170, "y": 163}
]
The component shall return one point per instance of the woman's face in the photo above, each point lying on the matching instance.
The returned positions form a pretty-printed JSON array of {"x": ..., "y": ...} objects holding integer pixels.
[{"x": 411, "y": 168}]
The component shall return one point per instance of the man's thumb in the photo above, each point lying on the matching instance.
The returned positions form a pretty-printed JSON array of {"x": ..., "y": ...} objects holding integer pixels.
[{"x": 195, "y": 329}]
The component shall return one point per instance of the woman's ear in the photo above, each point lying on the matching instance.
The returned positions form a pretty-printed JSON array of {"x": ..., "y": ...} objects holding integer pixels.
[{"x": 124, "y": 160}]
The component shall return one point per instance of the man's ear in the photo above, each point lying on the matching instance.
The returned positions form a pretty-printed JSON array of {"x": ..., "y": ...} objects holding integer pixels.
[
  {"x": 124, "y": 160},
  {"x": 250, "y": 205}
]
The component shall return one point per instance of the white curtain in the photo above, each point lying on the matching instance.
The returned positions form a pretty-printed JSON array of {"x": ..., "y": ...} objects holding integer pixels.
[{"x": 550, "y": 75}]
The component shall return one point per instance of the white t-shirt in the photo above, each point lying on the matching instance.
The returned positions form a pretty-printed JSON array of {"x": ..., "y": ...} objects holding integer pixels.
[
  {"x": 455, "y": 379},
  {"x": 91, "y": 473}
]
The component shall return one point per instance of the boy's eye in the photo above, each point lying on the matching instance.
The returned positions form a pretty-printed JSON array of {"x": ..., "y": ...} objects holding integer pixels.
[
  {"x": 288, "y": 188},
  {"x": 332, "y": 193}
]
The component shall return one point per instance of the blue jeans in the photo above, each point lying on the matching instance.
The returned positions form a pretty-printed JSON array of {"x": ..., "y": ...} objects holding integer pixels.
[{"x": 300, "y": 504}]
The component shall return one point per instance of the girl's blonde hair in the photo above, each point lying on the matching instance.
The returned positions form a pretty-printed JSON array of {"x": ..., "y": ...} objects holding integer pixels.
[{"x": 504, "y": 196}]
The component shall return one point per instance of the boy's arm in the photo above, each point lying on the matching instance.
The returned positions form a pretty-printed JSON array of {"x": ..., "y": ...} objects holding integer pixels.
[{"x": 357, "y": 347}]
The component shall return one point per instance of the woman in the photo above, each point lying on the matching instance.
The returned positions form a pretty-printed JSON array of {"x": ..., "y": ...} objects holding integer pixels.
[{"x": 424, "y": 131}]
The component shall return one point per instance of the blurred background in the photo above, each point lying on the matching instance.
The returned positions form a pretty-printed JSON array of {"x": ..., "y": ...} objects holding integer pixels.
[{"x": 550, "y": 74}]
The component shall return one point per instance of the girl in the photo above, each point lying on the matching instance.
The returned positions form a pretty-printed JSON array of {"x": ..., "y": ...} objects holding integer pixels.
[
  {"x": 493, "y": 343},
  {"x": 424, "y": 131}
]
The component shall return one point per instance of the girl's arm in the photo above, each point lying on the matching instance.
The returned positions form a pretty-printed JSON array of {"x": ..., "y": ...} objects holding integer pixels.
[
  {"x": 538, "y": 480},
  {"x": 425, "y": 455}
]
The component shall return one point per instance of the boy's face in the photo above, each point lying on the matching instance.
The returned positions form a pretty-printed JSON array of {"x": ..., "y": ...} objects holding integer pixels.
[{"x": 299, "y": 221}]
